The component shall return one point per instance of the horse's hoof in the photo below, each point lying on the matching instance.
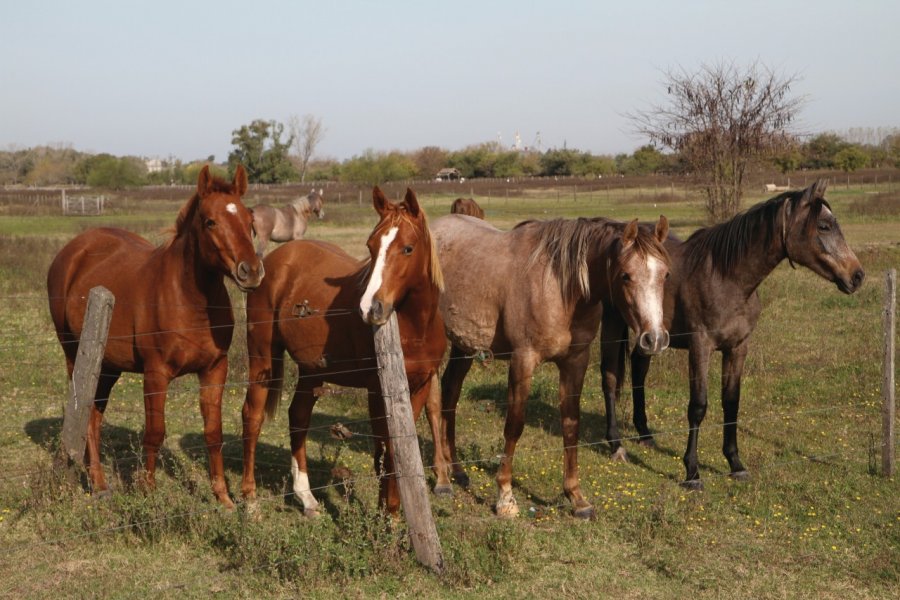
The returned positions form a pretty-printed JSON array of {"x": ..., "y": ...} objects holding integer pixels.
[
  {"x": 311, "y": 513},
  {"x": 742, "y": 475},
  {"x": 507, "y": 509},
  {"x": 461, "y": 479},
  {"x": 619, "y": 455},
  {"x": 584, "y": 512},
  {"x": 692, "y": 485},
  {"x": 647, "y": 442},
  {"x": 443, "y": 489}
]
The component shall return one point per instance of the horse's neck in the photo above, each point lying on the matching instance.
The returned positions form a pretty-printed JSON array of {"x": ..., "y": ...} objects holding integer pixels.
[
  {"x": 180, "y": 261},
  {"x": 760, "y": 259},
  {"x": 420, "y": 308}
]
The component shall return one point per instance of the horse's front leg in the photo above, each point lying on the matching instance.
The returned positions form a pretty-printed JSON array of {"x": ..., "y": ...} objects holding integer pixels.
[
  {"x": 212, "y": 384},
  {"x": 156, "y": 386},
  {"x": 612, "y": 372},
  {"x": 698, "y": 357},
  {"x": 521, "y": 368},
  {"x": 732, "y": 368},
  {"x": 571, "y": 381},
  {"x": 640, "y": 366}
]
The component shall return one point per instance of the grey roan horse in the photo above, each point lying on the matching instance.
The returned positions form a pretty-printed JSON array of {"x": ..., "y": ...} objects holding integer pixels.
[
  {"x": 712, "y": 302},
  {"x": 535, "y": 294},
  {"x": 287, "y": 223}
]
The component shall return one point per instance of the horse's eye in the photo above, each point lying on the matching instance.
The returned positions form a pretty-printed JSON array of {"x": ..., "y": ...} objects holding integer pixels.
[
  {"x": 209, "y": 223},
  {"x": 824, "y": 226},
  {"x": 407, "y": 250},
  {"x": 626, "y": 277},
  {"x": 667, "y": 275}
]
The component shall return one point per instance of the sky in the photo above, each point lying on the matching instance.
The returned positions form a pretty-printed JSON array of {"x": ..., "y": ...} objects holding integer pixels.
[{"x": 175, "y": 78}]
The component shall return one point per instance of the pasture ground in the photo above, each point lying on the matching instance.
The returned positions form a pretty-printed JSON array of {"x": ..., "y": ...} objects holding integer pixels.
[{"x": 815, "y": 520}]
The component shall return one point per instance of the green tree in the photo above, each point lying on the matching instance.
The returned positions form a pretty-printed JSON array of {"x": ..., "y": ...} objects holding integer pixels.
[
  {"x": 373, "y": 168},
  {"x": 851, "y": 158},
  {"x": 819, "y": 152},
  {"x": 107, "y": 171},
  {"x": 258, "y": 146}
]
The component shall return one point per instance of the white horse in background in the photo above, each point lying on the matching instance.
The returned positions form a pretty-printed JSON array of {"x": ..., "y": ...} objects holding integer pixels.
[{"x": 287, "y": 223}]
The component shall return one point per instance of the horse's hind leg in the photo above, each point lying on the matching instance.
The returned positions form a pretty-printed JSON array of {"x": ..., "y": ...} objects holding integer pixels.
[
  {"x": 105, "y": 384},
  {"x": 732, "y": 368},
  {"x": 299, "y": 417},
  {"x": 451, "y": 386},
  {"x": 571, "y": 381},
  {"x": 429, "y": 395}
]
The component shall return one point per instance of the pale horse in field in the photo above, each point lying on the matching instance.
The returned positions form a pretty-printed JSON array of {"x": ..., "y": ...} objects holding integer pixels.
[{"x": 286, "y": 223}]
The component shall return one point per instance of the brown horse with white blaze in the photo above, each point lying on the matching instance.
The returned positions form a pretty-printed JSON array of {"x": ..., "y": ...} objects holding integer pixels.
[
  {"x": 310, "y": 306},
  {"x": 712, "y": 300},
  {"x": 536, "y": 294},
  {"x": 172, "y": 314}
]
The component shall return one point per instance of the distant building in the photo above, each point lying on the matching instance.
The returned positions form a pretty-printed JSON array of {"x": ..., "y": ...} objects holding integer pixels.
[
  {"x": 447, "y": 174},
  {"x": 154, "y": 165}
]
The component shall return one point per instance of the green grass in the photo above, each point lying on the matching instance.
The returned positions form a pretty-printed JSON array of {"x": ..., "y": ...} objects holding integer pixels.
[{"x": 814, "y": 521}]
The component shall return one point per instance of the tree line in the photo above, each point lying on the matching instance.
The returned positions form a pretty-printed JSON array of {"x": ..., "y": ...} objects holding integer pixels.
[{"x": 274, "y": 163}]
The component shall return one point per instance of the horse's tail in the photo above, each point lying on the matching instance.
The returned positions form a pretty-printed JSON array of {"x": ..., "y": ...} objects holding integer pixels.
[{"x": 276, "y": 382}]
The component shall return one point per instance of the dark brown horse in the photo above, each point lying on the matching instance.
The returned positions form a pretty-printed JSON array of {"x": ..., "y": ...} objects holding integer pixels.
[
  {"x": 712, "y": 303},
  {"x": 310, "y": 306},
  {"x": 286, "y": 223},
  {"x": 466, "y": 206},
  {"x": 172, "y": 314},
  {"x": 535, "y": 294}
]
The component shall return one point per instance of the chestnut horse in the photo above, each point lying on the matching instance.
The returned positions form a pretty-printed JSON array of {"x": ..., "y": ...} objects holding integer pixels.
[
  {"x": 172, "y": 314},
  {"x": 535, "y": 294},
  {"x": 286, "y": 223},
  {"x": 310, "y": 306},
  {"x": 712, "y": 302},
  {"x": 466, "y": 206}
]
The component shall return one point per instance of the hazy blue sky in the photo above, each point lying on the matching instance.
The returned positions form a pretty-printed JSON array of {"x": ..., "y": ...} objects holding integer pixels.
[{"x": 175, "y": 78}]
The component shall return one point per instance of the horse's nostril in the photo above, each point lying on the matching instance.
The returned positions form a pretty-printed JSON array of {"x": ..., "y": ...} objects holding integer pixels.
[
  {"x": 858, "y": 277},
  {"x": 243, "y": 271},
  {"x": 645, "y": 341},
  {"x": 666, "y": 340}
]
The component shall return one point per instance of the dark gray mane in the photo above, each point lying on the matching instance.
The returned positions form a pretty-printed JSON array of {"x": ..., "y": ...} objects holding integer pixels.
[{"x": 728, "y": 243}]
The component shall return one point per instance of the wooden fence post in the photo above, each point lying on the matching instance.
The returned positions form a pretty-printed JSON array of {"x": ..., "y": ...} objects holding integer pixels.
[
  {"x": 86, "y": 374},
  {"x": 405, "y": 445},
  {"x": 888, "y": 411}
]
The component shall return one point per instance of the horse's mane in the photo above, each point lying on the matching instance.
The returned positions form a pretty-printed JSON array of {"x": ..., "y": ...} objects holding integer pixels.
[
  {"x": 437, "y": 275},
  {"x": 566, "y": 243},
  {"x": 302, "y": 205},
  {"x": 728, "y": 243},
  {"x": 217, "y": 185}
]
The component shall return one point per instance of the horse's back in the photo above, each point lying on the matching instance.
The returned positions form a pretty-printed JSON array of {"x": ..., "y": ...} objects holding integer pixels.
[
  {"x": 309, "y": 302},
  {"x": 103, "y": 256}
]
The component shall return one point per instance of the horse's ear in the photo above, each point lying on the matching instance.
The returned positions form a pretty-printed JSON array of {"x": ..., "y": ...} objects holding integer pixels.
[
  {"x": 204, "y": 181},
  {"x": 239, "y": 183},
  {"x": 380, "y": 202},
  {"x": 411, "y": 203},
  {"x": 816, "y": 190},
  {"x": 321, "y": 191},
  {"x": 662, "y": 229},
  {"x": 630, "y": 233}
]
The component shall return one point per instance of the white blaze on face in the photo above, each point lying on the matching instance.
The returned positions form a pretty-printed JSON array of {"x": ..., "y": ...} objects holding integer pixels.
[
  {"x": 651, "y": 304},
  {"x": 301, "y": 486},
  {"x": 377, "y": 271},
  {"x": 231, "y": 207}
]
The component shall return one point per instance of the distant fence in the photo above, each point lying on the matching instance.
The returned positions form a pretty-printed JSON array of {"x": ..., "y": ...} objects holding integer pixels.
[{"x": 81, "y": 205}]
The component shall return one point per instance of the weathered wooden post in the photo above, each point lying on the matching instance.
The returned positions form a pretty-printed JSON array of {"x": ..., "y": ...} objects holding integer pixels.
[
  {"x": 86, "y": 374},
  {"x": 888, "y": 411},
  {"x": 405, "y": 444}
]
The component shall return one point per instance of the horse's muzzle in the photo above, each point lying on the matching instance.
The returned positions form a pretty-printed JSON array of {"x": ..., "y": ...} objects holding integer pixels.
[
  {"x": 653, "y": 342},
  {"x": 247, "y": 277},
  {"x": 378, "y": 313},
  {"x": 855, "y": 282}
]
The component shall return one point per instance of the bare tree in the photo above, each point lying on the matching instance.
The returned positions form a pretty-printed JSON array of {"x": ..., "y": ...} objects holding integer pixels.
[
  {"x": 721, "y": 119},
  {"x": 307, "y": 132}
]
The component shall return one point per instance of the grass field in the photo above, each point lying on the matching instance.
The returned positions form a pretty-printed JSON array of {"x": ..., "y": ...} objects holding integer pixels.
[{"x": 815, "y": 519}]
